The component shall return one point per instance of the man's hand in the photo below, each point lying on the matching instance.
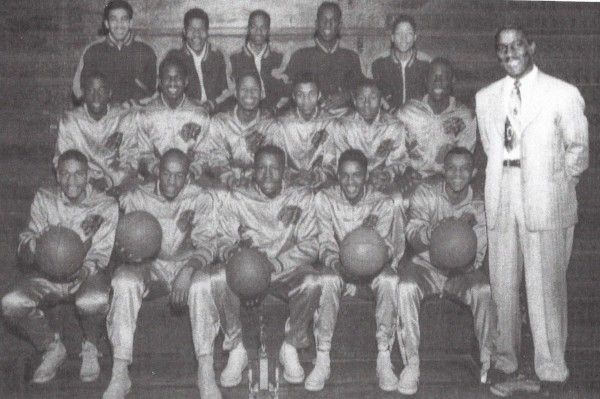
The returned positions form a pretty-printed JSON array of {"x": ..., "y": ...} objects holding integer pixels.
[
  {"x": 289, "y": 215},
  {"x": 79, "y": 276},
  {"x": 385, "y": 148},
  {"x": 453, "y": 126},
  {"x": 186, "y": 221},
  {"x": 253, "y": 141},
  {"x": 245, "y": 240},
  {"x": 319, "y": 138},
  {"x": 126, "y": 256},
  {"x": 98, "y": 184},
  {"x": 190, "y": 131},
  {"x": 181, "y": 286},
  {"x": 113, "y": 142},
  {"x": 27, "y": 252},
  {"x": 91, "y": 224},
  {"x": 468, "y": 218},
  {"x": 370, "y": 221},
  {"x": 350, "y": 290}
]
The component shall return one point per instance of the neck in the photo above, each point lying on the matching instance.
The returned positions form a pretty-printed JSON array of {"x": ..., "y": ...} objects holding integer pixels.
[
  {"x": 356, "y": 199},
  {"x": 97, "y": 115},
  {"x": 438, "y": 106},
  {"x": 328, "y": 44},
  {"x": 403, "y": 56},
  {"x": 309, "y": 116},
  {"x": 369, "y": 121},
  {"x": 173, "y": 102},
  {"x": 457, "y": 196},
  {"x": 257, "y": 48},
  {"x": 525, "y": 72},
  {"x": 246, "y": 116},
  {"x": 197, "y": 52},
  {"x": 119, "y": 43}
]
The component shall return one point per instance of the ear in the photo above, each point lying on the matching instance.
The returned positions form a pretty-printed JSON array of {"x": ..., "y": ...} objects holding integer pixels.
[
  {"x": 532, "y": 48},
  {"x": 474, "y": 174},
  {"x": 105, "y": 23},
  {"x": 186, "y": 82}
]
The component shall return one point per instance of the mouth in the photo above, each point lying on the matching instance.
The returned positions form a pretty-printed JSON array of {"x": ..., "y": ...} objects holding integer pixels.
[
  {"x": 173, "y": 91},
  {"x": 438, "y": 91}
]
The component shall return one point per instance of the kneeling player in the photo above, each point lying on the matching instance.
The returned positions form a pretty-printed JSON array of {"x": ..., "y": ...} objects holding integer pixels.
[
  {"x": 93, "y": 216},
  {"x": 340, "y": 210},
  {"x": 185, "y": 212},
  {"x": 430, "y": 204},
  {"x": 280, "y": 222}
]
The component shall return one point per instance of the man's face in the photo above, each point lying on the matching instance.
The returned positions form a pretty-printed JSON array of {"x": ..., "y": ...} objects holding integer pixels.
[
  {"x": 306, "y": 96},
  {"x": 72, "y": 178},
  {"x": 96, "y": 96},
  {"x": 367, "y": 102},
  {"x": 439, "y": 82},
  {"x": 258, "y": 30},
  {"x": 514, "y": 52},
  {"x": 328, "y": 25},
  {"x": 173, "y": 82},
  {"x": 458, "y": 171},
  {"x": 404, "y": 37},
  {"x": 118, "y": 24},
  {"x": 196, "y": 34},
  {"x": 172, "y": 177},
  {"x": 268, "y": 174},
  {"x": 248, "y": 93},
  {"x": 352, "y": 177}
]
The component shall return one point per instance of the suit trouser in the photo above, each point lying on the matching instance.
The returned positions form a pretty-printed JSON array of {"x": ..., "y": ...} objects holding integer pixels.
[
  {"x": 217, "y": 306},
  {"x": 130, "y": 285},
  {"x": 385, "y": 288},
  {"x": 544, "y": 255},
  {"x": 473, "y": 289},
  {"x": 23, "y": 306}
]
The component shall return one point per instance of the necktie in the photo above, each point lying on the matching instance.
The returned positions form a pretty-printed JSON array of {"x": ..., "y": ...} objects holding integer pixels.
[{"x": 512, "y": 120}]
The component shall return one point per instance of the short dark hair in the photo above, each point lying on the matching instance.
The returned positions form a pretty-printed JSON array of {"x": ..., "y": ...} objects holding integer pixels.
[
  {"x": 353, "y": 155},
  {"x": 170, "y": 61},
  {"x": 441, "y": 61},
  {"x": 177, "y": 154},
  {"x": 270, "y": 149},
  {"x": 195, "y": 13},
  {"x": 244, "y": 75},
  {"x": 460, "y": 151},
  {"x": 116, "y": 5},
  {"x": 260, "y": 13},
  {"x": 94, "y": 74},
  {"x": 404, "y": 18},
  {"x": 331, "y": 6},
  {"x": 510, "y": 26},
  {"x": 306, "y": 77},
  {"x": 74, "y": 155},
  {"x": 365, "y": 82}
]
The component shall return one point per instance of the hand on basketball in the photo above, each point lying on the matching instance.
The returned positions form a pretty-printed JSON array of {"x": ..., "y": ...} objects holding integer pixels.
[
  {"x": 289, "y": 215},
  {"x": 371, "y": 221},
  {"x": 190, "y": 131},
  {"x": 186, "y": 221},
  {"x": 350, "y": 290},
  {"x": 113, "y": 142},
  {"x": 254, "y": 141},
  {"x": 181, "y": 286},
  {"x": 91, "y": 224},
  {"x": 245, "y": 240},
  {"x": 80, "y": 275},
  {"x": 468, "y": 218}
]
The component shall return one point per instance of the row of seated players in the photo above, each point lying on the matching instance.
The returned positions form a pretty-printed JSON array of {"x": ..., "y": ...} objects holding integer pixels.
[
  {"x": 403, "y": 147},
  {"x": 300, "y": 232}
]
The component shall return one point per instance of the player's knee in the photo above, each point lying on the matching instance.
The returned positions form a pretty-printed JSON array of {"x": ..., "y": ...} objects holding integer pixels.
[
  {"x": 15, "y": 304},
  {"x": 93, "y": 302},
  {"x": 311, "y": 282},
  {"x": 201, "y": 283},
  {"x": 388, "y": 281},
  {"x": 481, "y": 290},
  {"x": 331, "y": 283},
  {"x": 407, "y": 286},
  {"x": 125, "y": 279}
]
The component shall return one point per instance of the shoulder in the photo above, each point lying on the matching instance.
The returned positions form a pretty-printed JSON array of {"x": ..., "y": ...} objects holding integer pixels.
[
  {"x": 489, "y": 90},
  {"x": 95, "y": 47},
  {"x": 326, "y": 196},
  {"x": 141, "y": 45},
  {"x": 100, "y": 199},
  {"x": 559, "y": 85},
  {"x": 46, "y": 193},
  {"x": 428, "y": 189},
  {"x": 299, "y": 195},
  {"x": 381, "y": 62}
]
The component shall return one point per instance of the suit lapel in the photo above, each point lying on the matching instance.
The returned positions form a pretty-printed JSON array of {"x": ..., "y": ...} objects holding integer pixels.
[{"x": 533, "y": 102}]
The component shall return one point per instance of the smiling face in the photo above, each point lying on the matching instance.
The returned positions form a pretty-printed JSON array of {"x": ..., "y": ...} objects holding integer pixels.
[
  {"x": 118, "y": 24},
  {"x": 173, "y": 82},
  {"x": 248, "y": 93},
  {"x": 196, "y": 34},
  {"x": 458, "y": 171},
  {"x": 439, "y": 81},
  {"x": 306, "y": 97},
  {"x": 173, "y": 174},
  {"x": 72, "y": 178},
  {"x": 367, "y": 102},
  {"x": 96, "y": 96},
  {"x": 258, "y": 30},
  {"x": 328, "y": 25},
  {"x": 404, "y": 37},
  {"x": 268, "y": 174},
  {"x": 353, "y": 178},
  {"x": 515, "y": 52}
]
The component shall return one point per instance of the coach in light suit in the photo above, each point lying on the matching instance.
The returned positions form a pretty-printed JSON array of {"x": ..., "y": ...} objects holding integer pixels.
[{"x": 535, "y": 134}]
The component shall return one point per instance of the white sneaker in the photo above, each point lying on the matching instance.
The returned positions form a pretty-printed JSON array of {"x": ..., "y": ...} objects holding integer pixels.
[
  {"x": 120, "y": 384},
  {"x": 207, "y": 385},
  {"x": 385, "y": 372},
  {"x": 292, "y": 369},
  {"x": 320, "y": 373},
  {"x": 54, "y": 356},
  {"x": 90, "y": 368},
  {"x": 237, "y": 362},
  {"x": 408, "y": 383}
]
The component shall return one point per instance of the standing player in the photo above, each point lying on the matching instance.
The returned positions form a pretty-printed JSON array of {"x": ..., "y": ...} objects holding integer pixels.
[
  {"x": 535, "y": 134},
  {"x": 337, "y": 69},
  {"x": 431, "y": 204},
  {"x": 185, "y": 213},
  {"x": 280, "y": 222},
  {"x": 205, "y": 64},
  {"x": 97, "y": 130},
  {"x": 128, "y": 63},
  {"x": 171, "y": 120},
  {"x": 93, "y": 216},
  {"x": 259, "y": 58},
  {"x": 341, "y": 209},
  {"x": 236, "y": 135}
]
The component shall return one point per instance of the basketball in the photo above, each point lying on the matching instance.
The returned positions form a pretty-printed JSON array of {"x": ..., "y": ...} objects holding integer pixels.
[
  {"x": 59, "y": 253},
  {"x": 363, "y": 252},
  {"x": 453, "y": 245},
  {"x": 248, "y": 273},
  {"x": 139, "y": 235}
]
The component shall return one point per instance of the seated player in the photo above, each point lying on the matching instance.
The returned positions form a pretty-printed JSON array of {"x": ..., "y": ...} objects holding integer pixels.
[
  {"x": 374, "y": 132},
  {"x": 93, "y": 216},
  {"x": 97, "y": 130},
  {"x": 204, "y": 63},
  {"x": 171, "y": 120},
  {"x": 280, "y": 222},
  {"x": 258, "y": 57},
  {"x": 302, "y": 134},
  {"x": 127, "y": 62},
  {"x": 236, "y": 135},
  {"x": 436, "y": 124},
  {"x": 341, "y": 209},
  {"x": 185, "y": 213},
  {"x": 431, "y": 203}
]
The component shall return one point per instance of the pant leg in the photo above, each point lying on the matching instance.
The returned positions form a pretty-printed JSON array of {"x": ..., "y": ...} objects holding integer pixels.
[
  {"x": 301, "y": 286},
  {"x": 212, "y": 305},
  {"x": 385, "y": 287},
  {"x": 92, "y": 302},
  {"x": 325, "y": 316},
  {"x": 415, "y": 282},
  {"x": 21, "y": 308}
]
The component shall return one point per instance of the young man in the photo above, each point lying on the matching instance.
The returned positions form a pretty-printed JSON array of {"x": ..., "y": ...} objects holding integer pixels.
[
  {"x": 401, "y": 74},
  {"x": 337, "y": 69},
  {"x": 535, "y": 134},
  {"x": 302, "y": 134},
  {"x": 93, "y": 216},
  {"x": 127, "y": 62},
  {"x": 236, "y": 135},
  {"x": 431, "y": 204},
  {"x": 172, "y": 120},
  {"x": 340, "y": 210},
  {"x": 185, "y": 213},
  {"x": 280, "y": 222},
  {"x": 437, "y": 123},
  {"x": 205, "y": 64},
  {"x": 96, "y": 129}
]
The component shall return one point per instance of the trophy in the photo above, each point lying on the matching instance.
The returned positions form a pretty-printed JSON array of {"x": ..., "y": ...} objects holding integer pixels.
[{"x": 267, "y": 385}]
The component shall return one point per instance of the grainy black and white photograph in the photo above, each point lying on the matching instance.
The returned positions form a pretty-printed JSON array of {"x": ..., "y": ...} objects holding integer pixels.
[{"x": 273, "y": 199}]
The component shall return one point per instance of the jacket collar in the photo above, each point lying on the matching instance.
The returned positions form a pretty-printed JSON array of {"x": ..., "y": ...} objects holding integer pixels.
[{"x": 111, "y": 41}]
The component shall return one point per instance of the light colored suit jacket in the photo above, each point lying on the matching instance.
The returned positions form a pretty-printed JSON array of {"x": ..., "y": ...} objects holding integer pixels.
[{"x": 554, "y": 150}]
